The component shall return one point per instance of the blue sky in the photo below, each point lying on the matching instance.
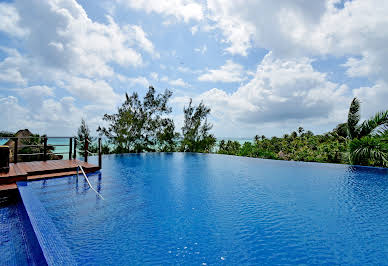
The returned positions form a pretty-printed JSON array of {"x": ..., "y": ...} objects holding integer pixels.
[{"x": 264, "y": 67}]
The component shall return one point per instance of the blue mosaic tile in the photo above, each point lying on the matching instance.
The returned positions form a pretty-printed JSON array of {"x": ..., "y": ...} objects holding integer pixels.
[{"x": 52, "y": 245}]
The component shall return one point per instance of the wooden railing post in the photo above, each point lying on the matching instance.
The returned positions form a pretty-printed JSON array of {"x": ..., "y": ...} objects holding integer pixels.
[
  {"x": 86, "y": 146},
  {"x": 75, "y": 149},
  {"x": 45, "y": 149},
  {"x": 70, "y": 147},
  {"x": 15, "y": 151},
  {"x": 99, "y": 153}
]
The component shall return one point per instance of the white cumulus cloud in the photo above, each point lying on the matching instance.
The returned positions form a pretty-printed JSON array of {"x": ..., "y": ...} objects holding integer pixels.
[
  {"x": 281, "y": 91},
  {"x": 230, "y": 72},
  {"x": 185, "y": 10}
]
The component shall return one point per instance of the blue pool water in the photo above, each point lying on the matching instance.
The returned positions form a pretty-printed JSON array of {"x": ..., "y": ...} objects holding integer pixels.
[
  {"x": 18, "y": 245},
  {"x": 214, "y": 209}
]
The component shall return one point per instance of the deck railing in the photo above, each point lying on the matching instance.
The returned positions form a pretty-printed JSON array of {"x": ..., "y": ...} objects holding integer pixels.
[{"x": 72, "y": 151}]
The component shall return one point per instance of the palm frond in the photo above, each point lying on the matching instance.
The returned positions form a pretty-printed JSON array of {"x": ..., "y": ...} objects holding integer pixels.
[
  {"x": 369, "y": 151},
  {"x": 378, "y": 121},
  {"x": 353, "y": 118}
]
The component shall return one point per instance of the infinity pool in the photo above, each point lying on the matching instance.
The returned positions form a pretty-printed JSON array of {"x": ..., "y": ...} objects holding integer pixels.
[{"x": 202, "y": 209}]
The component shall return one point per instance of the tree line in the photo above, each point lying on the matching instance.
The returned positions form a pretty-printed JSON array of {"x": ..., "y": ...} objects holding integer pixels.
[{"x": 143, "y": 125}]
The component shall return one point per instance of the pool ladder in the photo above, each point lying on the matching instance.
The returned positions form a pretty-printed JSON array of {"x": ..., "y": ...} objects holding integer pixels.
[{"x": 87, "y": 180}]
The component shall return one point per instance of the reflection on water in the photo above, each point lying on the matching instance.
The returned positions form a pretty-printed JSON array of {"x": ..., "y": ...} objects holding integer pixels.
[{"x": 202, "y": 208}]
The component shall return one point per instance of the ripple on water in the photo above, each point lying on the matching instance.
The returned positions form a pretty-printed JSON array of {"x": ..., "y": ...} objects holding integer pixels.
[{"x": 212, "y": 209}]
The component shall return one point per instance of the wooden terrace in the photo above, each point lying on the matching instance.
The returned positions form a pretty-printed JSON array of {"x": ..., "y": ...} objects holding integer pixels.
[{"x": 35, "y": 170}]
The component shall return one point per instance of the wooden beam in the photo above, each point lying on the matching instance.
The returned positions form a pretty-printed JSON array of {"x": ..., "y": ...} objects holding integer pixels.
[
  {"x": 15, "y": 152},
  {"x": 70, "y": 147},
  {"x": 45, "y": 149},
  {"x": 99, "y": 153}
]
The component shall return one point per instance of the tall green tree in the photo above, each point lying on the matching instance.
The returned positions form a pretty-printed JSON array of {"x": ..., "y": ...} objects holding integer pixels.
[
  {"x": 83, "y": 133},
  {"x": 367, "y": 145},
  {"x": 196, "y": 130},
  {"x": 141, "y": 124}
]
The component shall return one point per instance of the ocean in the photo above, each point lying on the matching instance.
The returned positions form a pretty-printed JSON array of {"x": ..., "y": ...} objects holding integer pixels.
[{"x": 63, "y": 143}]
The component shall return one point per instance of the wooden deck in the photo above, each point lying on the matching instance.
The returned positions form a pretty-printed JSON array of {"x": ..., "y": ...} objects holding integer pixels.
[{"x": 25, "y": 171}]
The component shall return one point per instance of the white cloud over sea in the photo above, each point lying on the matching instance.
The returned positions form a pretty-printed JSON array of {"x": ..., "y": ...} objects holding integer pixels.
[{"x": 264, "y": 67}]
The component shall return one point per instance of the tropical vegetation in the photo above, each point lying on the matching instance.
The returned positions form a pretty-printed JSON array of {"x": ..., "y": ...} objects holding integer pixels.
[
  {"x": 196, "y": 129},
  {"x": 368, "y": 141},
  {"x": 144, "y": 125},
  {"x": 141, "y": 125}
]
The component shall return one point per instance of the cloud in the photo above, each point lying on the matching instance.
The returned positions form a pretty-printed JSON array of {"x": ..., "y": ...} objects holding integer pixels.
[
  {"x": 142, "y": 81},
  {"x": 266, "y": 24},
  {"x": 373, "y": 98},
  {"x": 139, "y": 38},
  {"x": 35, "y": 95},
  {"x": 230, "y": 72},
  {"x": 358, "y": 30},
  {"x": 66, "y": 39},
  {"x": 154, "y": 75},
  {"x": 185, "y": 10},
  {"x": 175, "y": 82},
  {"x": 202, "y": 49},
  {"x": 179, "y": 83},
  {"x": 95, "y": 91},
  {"x": 281, "y": 91},
  {"x": 48, "y": 115},
  {"x": 10, "y": 111},
  {"x": 73, "y": 59},
  {"x": 9, "y": 18},
  {"x": 11, "y": 67}
]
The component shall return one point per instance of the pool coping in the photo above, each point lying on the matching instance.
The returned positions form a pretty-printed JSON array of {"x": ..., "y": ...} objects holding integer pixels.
[{"x": 53, "y": 247}]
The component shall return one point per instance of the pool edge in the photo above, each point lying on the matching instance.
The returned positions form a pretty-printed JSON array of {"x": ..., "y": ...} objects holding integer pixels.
[{"x": 54, "y": 248}]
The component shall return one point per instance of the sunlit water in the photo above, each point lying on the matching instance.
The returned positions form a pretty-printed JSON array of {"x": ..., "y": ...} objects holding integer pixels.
[{"x": 217, "y": 209}]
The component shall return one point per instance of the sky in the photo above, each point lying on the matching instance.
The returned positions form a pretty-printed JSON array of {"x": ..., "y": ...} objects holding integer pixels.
[{"x": 263, "y": 67}]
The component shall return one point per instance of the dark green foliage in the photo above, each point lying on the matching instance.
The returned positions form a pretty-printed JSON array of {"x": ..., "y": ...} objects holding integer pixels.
[
  {"x": 368, "y": 140},
  {"x": 229, "y": 147},
  {"x": 379, "y": 120},
  {"x": 306, "y": 147},
  {"x": 353, "y": 118},
  {"x": 365, "y": 144},
  {"x": 5, "y": 134},
  {"x": 141, "y": 125},
  {"x": 38, "y": 149},
  {"x": 342, "y": 130},
  {"x": 369, "y": 151},
  {"x": 82, "y": 134},
  {"x": 105, "y": 149},
  {"x": 195, "y": 132}
]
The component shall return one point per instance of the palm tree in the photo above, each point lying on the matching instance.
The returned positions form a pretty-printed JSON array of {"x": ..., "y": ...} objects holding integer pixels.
[
  {"x": 368, "y": 145},
  {"x": 300, "y": 130},
  {"x": 257, "y": 138}
]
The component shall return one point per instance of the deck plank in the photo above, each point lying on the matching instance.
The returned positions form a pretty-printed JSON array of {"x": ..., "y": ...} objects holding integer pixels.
[
  {"x": 18, "y": 170},
  {"x": 6, "y": 187},
  {"x": 41, "y": 170}
]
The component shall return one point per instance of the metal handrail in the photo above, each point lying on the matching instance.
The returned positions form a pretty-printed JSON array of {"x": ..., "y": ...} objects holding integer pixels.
[
  {"x": 32, "y": 154},
  {"x": 81, "y": 151},
  {"x": 58, "y": 145},
  {"x": 93, "y": 153},
  {"x": 36, "y": 145},
  {"x": 87, "y": 180}
]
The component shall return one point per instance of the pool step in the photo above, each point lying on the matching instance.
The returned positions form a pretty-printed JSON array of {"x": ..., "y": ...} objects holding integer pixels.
[
  {"x": 7, "y": 187},
  {"x": 24, "y": 171},
  {"x": 38, "y": 177}
]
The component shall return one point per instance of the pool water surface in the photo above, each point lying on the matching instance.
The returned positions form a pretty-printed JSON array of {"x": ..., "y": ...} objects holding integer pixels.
[{"x": 197, "y": 209}]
